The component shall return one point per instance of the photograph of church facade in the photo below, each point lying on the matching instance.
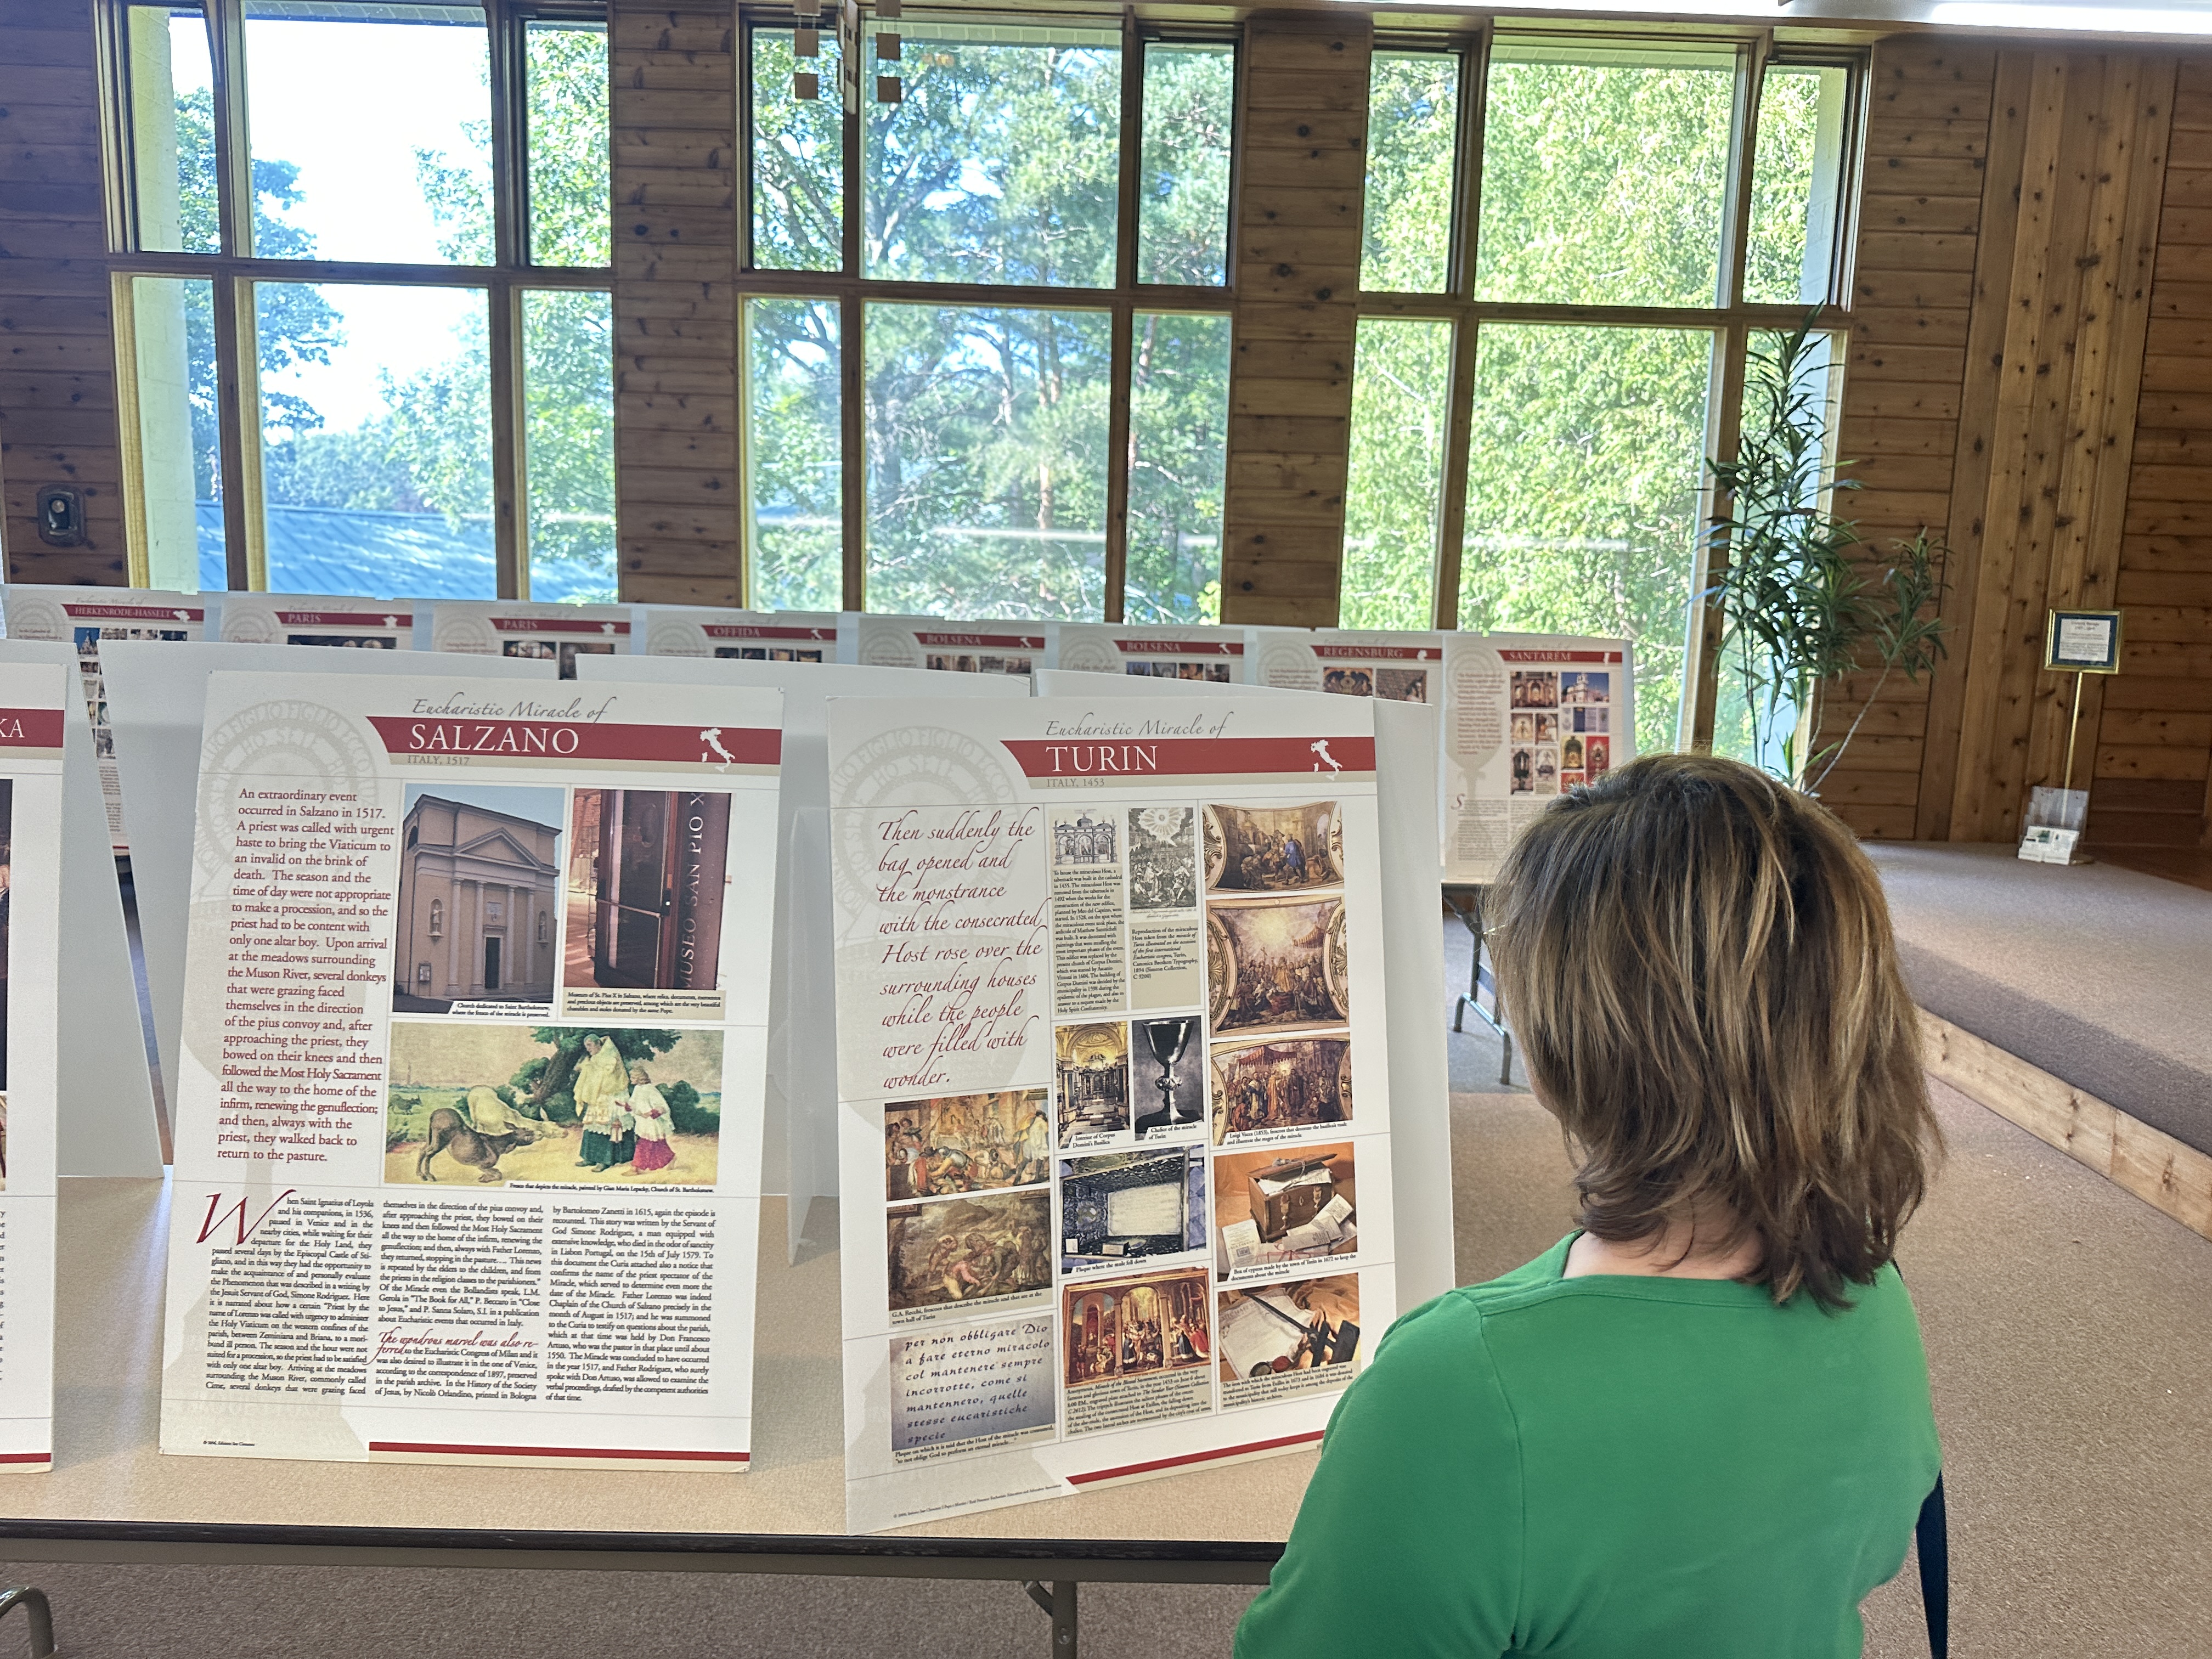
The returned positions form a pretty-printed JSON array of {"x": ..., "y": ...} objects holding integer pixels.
[{"x": 479, "y": 891}]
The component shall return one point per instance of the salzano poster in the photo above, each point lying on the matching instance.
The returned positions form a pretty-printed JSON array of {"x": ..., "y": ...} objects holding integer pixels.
[
  {"x": 33, "y": 712},
  {"x": 469, "y": 1121},
  {"x": 1114, "y": 1091}
]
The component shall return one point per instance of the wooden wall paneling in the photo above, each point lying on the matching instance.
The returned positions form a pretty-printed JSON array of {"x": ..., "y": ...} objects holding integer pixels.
[
  {"x": 674, "y": 114},
  {"x": 57, "y": 388},
  {"x": 1303, "y": 183}
]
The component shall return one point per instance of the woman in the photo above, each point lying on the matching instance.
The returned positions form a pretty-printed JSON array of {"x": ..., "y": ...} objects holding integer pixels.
[
  {"x": 602, "y": 1101},
  {"x": 649, "y": 1111},
  {"x": 1699, "y": 1426}
]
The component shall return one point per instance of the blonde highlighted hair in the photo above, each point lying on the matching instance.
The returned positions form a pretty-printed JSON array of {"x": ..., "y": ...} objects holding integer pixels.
[{"x": 1698, "y": 962}]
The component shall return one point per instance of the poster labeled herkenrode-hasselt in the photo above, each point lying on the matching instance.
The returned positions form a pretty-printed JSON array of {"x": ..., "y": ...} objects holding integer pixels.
[
  {"x": 469, "y": 1124},
  {"x": 1114, "y": 1121}
]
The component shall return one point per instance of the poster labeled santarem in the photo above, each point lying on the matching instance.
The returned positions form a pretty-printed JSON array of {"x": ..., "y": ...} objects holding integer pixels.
[
  {"x": 1114, "y": 1091},
  {"x": 690, "y": 630},
  {"x": 85, "y": 617},
  {"x": 1526, "y": 717},
  {"x": 34, "y": 707},
  {"x": 981, "y": 647},
  {"x": 468, "y": 1134},
  {"x": 558, "y": 634},
  {"x": 1218, "y": 656},
  {"x": 317, "y": 619},
  {"x": 1401, "y": 666}
]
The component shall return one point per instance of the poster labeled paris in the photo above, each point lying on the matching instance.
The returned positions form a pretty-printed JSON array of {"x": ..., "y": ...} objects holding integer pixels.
[
  {"x": 1099, "y": 1047},
  {"x": 552, "y": 633},
  {"x": 391, "y": 1061},
  {"x": 36, "y": 700}
]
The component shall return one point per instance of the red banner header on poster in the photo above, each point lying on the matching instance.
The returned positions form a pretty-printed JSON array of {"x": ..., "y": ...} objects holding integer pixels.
[
  {"x": 345, "y": 618},
  {"x": 30, "y": 728},
  {"x": 1381, "y": 652},
  {"x": 580, "y": 740},
  {"x": 1558, "y": 656},
  {"x": 755, "y": 631},
  {"x": 556, "y": 625},
  {"x": 1180, "y": 648},
  {"x": 150, "y": 613},
  {"x": 994, "y": 641},
  {"x": 1177, "y": 757}
]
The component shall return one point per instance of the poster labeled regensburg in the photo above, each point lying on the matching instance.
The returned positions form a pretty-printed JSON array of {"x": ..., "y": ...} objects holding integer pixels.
[
  {"x": 1404, "y": 666},
  {"x": 1155, "y": 651},
  {"x": 469, "y": 1115},
  {"x": 1113, "y": 1094},
  {"x": 84, "y": 618},
  {"x": 554, "y": 633},
  {"x": 34, "y": 710},
  {"x": 690, "y": 630},
  {"x": 1526, "y": 717}
]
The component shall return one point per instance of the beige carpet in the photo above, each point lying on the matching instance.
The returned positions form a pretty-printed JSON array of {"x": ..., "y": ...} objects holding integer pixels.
[{"x": 2069, "y": 1328}]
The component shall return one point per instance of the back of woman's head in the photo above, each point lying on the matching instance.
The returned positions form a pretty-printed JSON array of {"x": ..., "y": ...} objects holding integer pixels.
[{"x": 1698, "y": 962}]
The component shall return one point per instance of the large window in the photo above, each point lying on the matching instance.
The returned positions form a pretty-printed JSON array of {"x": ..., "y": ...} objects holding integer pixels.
[
  {"x": 429, "y": 413},
  {"x": 1570, "y": 246},
  {"x": 987, "y": 330}
]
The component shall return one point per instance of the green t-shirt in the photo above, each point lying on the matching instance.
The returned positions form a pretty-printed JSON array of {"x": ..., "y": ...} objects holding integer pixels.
[{"x": 1611, "y": 1467}]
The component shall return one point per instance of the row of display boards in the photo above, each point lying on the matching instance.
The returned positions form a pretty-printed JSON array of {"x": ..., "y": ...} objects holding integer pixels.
[{"x": 488, "y": 1007}]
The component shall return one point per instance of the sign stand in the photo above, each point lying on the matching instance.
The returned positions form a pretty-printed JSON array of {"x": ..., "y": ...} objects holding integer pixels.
[{"x": 2082, "y": 643}]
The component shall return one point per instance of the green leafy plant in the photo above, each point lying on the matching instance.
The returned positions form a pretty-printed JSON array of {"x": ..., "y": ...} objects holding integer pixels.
[{"x": 1798, "y": 611}]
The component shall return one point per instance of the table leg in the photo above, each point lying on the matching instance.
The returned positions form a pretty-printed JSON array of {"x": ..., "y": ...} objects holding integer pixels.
[
  {"x": 41, "y": 1616},
  {"x": 1058, "y": 1600}
]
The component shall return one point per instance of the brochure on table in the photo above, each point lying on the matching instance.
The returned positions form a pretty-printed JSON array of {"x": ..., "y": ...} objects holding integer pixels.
[
  {"x": 155, "y": 695},
  {"x": 686, "y": 630},
  {"x": 1526, "y": 717},
  {"x": 802, "y": 1066},
  {"x": 966, "y": 647},
  {"x": 1218, "y": 656},
  {"x": 1115, "y": 1122},
  {"x": 319, "y": 619},
  {"x": 84, "y": 618},
  {"x": 35, "y": 705},
  {"x": 469, "y": 1123},
  {"x": 502, "y": 628}
]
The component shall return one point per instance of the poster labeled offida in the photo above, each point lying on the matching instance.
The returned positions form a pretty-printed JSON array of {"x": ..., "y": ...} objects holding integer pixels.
[
  {"x": 1113, "y": 1095},
  {"x": 469, "y": 1124},
  {"x": 691, "y": 630},
  {"x": 33, "y": 711},
  {"x": 1526, "y": 717}
]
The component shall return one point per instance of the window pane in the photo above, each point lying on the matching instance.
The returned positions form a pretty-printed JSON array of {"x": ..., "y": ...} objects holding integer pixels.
[
  {"x": 999, "y": 164},
  {"x": 1178, "y": 465},
  {"x": 568, "y": 442},
  {"x": 794, "y": 473},
  {"x": 569, "y": 180},
  {"x": 987, "y": 461},
  {"x": 173, "y": 131},
  {"x": 1796, "y": 185},
  {"x": 797, "y": 156},
  {"x": 376, "y": 440},
  {"x": 1182, "y": 214},
  {"x": 1582, "y": 493},
  {"x": 1604, "y": 175},
  {"x": 372, "y": 138},
  {"x": 1412, "y": 133},
  {"x": 179, "y": 449},
  {"x": 1400, "y": 392}
]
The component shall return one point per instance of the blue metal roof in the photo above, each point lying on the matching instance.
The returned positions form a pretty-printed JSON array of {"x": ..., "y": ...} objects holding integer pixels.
[{"x": 411, "y": 555}]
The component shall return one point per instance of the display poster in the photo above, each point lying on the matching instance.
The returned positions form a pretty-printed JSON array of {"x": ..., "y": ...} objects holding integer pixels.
[
  {"x": 1403, "y": 666},
  {"x": 1526, "y": 717},
  {"x": 319, "y": 619},
  {"x": 468, "y": 1142},
  {"x": 1113, "y": 1088},
  {"x": 84, "y": 618},
  {"x": 980, "y": 647},
  {"x": 687, "y": 631},
  {"x": 34, "y": 712},
  {"x": 558, "y": 634},
  {"x": 1218, "y": 655}
]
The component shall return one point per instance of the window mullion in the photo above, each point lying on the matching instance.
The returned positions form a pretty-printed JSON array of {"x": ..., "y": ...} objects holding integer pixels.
[
  {"x": 1466, "y": 206},
  {"x": 1743, "y": 159},
  {"x": 851, "y": 416},
  {"x": 1459, "y": 432},
  {"x": 510, "y": 137},
  {"x": 233, "y": 154},
  {"x": 1121, "y": 354},
  {"x": 238, "y": 401},
  {"x": 509, "y": 462},
  {"x": 1693, "y": 728}
]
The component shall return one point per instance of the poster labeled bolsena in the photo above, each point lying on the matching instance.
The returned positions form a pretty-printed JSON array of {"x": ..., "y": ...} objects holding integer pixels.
[
  {"x": 1217, "y": 655},
  {"x": 87, "y": 617},
  {"x": 1114, "y": 1119},
  {"x": 317, "y": 619},
  {"x": 469, "y": 1120},
  {"x": 981, "y": 647},
  {"x": 690, "y": 630},
  {"x": 1526, "y": 717},
  {"x": 1403, "y": 666},
  {"x": 33, "y": 708},
  {"x": 558, "y": 634}
]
